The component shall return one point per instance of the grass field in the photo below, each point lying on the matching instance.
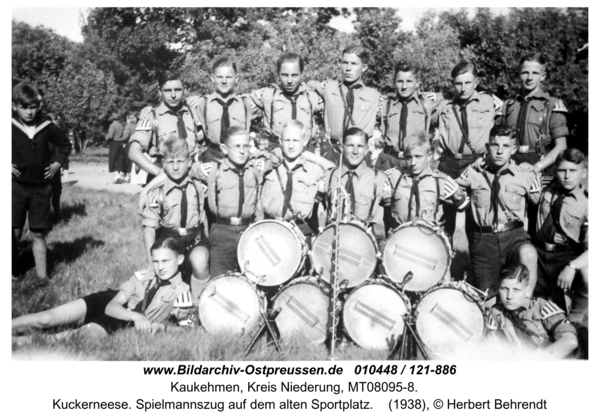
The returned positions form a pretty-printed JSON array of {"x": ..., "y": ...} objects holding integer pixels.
[{"x": 98, "y": 245}]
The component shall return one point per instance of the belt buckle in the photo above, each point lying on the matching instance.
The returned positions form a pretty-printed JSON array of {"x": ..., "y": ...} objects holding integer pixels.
[
  {"x": 458, "y": 156},
  {"x": 497, "y": 228},
  {"x": 549, "y": 247},
  {"x": 182, "y": 231},
  {"x": 524, "y": 149},
  {"x": 236, "y": 221}
]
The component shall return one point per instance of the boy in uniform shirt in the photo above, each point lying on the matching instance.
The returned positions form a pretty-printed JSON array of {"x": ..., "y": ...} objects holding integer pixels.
[
  {"x": 497, "y": 193},
  {"x": 288, "y": 100},
  {"x": 221, "y": 109},
  {"x": 464, "y": 123},
  {"x": 417, "y": 193},
  {"x": 232, "y": 193},
  {"x": 33, "y": 167},
  {"x": 534, "y": 324},
  {"x": 562, "y": 234},
  {"x": 176, "y": 209},
  {"x": 409, "y": 111},
  {"x": 540, "y": 122},
  {"x": 172, "y": 116},
  {"x": 290, "y": 190},
  {"x": 349, "y": 103},
  {"x": 366, "y": 187}
]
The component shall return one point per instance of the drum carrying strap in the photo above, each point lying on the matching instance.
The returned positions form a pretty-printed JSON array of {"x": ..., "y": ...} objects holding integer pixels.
[{"x": 463, "y": 130}]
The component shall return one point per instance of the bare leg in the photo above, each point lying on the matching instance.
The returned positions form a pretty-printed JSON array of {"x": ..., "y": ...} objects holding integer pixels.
[
  {"x": 580, "y": 296},
  {"x": 67, "y": 314},
  {"x": 200, "y": 274},
  {"x": 39, "y": 253},
  {"x": 528, "y": 257}
]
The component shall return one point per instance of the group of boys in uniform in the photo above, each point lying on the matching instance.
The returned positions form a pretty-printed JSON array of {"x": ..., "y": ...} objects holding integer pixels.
[{"x": 486, "y": 160}]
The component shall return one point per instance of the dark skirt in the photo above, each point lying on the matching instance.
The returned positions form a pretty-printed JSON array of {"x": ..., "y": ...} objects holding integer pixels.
[{"x": 115, "y": 156}]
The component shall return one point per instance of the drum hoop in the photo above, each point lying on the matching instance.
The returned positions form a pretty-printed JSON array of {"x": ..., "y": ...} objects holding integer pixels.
[
  {"x": 454, "y": 286},
  {"x": 259, "y": 293},
  {"x": 439, "y": 233},
  {"x": 296, "y": 233},
  {"x": 354, "y": 223},
  {"x": 312, "y": 280}
]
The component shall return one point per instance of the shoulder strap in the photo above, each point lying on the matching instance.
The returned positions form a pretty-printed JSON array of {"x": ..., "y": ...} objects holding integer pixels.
[
  {"x": 154, "y": 135},
  {"x": 396, "y": 186},
  {"x": 217, "y": 173},
  {"x": 386, "y": 121},
  {"x": 374, "y": 194},
  {"x": 310, "y": 105},
  {"x": 272, "y": 107},
  {"x": 426, "y": 111}
]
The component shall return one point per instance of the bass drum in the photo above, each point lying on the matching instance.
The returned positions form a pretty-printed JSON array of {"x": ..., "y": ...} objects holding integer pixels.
[
  {"x": 373, "y": 315},
  {"x": 417, "y": 256},
  {"x": 450, "y": 320},
  {"x": 230, "y": 303},
  {"x": 274, "y": 251},
  {"x": 358, "y": 253},
  {"x": 304, "y": 306}
]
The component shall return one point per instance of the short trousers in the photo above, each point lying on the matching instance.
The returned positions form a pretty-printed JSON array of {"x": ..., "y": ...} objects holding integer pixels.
[
  {"x": 96, "y": 305},
  {"x": 30, "y": 202}
]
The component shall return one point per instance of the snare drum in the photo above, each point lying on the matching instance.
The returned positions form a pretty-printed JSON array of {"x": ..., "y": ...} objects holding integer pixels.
[
  {"x": 304, "y": 306},
  {"x": 230, "y": 303},
  {"x": 358, "y": 253},
  {"x": 274, "y": 251},
  {"x": 449, "y": 319},
  {"x": 373, "y": 315},
  {"x": 420, "y": 249}
]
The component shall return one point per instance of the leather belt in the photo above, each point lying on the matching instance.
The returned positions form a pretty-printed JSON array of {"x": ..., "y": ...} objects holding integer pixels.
[
  {"x": 234, "y": 221},
  {"x": 180, "y": 231},
  {"x": 502, "y": 227},
  {"x": 554, "y": 247}
]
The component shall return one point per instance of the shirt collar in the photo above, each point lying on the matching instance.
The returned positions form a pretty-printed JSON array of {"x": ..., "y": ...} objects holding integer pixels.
[
  {"x": 538, "y": 93},
  {"x": 228, "y": 165},
  {"x": 413, "y": 97},
  {"x": 360, "y": 171},
  {"x": 578, "y": 193},
  {"x": 359, "y": 83},
  {"x": 301, "y": 161},
  {"x": 427, "y": 172},
  {"x": 475, "y": 97},
  {"x": 301, "y": 89},
  {"x": 176, "y": 280},
  {"x": 170, "y": 185},
  {"x": 213, "y": 96},
  {"x": 512, "y": 168},
  {"x": 164, "y": 109}
]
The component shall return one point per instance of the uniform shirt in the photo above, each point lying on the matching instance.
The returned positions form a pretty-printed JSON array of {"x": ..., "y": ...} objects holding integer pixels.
[
  {"x": 536, "y": 103},
  {"x": 115, "y": 131},
  {"x": 434, "y": 188},
  {"x": 481, "y": 109},
  {"x": 223, "y": 179},
  {"x": 367, "y": 102},
  {"x": 277, "y": 108},
  {"x": 210, "y": 113},
  {"x": 420, "y": 109},
  {"x": 515, "y": 186},
  {"x": 31, "y": 151},
  {"x": 161, "y": 306},
  {"x": 538, "y": 325},
  {"x": 308, "y": 180},
  {"x": 371, "y": 190},
  {"x": 164, "y": 205},
  {"x": 165, "y": 124},
  {"x": 573, "y": 216}
]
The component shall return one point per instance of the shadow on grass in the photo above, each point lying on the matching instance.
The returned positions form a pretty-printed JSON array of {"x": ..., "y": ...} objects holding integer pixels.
[
  {"x": 70, "y": 251},
  {"x": 70, "y": 210}
]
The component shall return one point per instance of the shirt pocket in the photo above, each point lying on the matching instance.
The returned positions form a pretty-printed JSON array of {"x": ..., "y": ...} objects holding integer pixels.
[
  {"x": 305, "y": 190},
  {"x": 513, "y": 196},
  {"x": 535, "y": 114},
  {"x": 480, "y": 116},
  {"x": 481, "y": 197},
  {"x": 571, "y": 218}
]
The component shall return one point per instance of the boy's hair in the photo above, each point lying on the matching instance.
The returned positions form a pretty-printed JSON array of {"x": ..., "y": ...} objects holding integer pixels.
[
  {"x": 418, "y": 139},
  {"x": 572, "y": 155},
  {"x": 290, "y": 57},
  {"x": 515, "y": 271},
  {"x": 167, "y": 242},
  {"x": 535, "y": 57},
  {"x": 232, "y": 132},
  {"x": 293, "y": 124},
  {"x": 224, "y": 62},
  {"x": 355, "y": 131},
  {"x": 360, "y": 52},
  {"x": 502, "y": 130},
  {"x": 407, "y": 66},
  {"x": 174, "y": 146},
  {"x": 464, "y": 67},
  {"x": 167, "y": 76},
  {"x": 26, "y": 95}
]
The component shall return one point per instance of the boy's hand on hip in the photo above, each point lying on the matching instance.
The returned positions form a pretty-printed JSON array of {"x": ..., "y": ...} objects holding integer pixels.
[{"x": 51, "y": 170}]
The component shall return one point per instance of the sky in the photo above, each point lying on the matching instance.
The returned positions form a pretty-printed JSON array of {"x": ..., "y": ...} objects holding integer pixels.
[{"x": 67, "y": 21}]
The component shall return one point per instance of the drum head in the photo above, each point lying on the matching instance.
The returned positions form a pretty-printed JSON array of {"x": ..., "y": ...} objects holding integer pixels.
[
  {"x": 372, "y": 316},
  {"x": 229, "y": 304},
  {"x": 417, "y": 249},
  {"x": 449, "y": 321},
  {"x": 358, "y": 254},
  {"x": 272, "y": 250},
  {"x": 304, "y": 309}
]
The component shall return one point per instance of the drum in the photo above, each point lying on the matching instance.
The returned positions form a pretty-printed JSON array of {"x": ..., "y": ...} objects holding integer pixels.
[
  {"x": 449, "y": 319},
  {"x": 373, "y": 315},
  {"x": 417, "y": 256},
  {"x": 273, "y": 251},
  {"x": 230, "y": 303},
  {"x": 357, "y": 256},
  {"x": 304, "y": 306}
]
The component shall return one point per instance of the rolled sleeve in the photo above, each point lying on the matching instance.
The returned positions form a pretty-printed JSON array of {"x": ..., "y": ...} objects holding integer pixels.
[{"x": 558, "y": 125}]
